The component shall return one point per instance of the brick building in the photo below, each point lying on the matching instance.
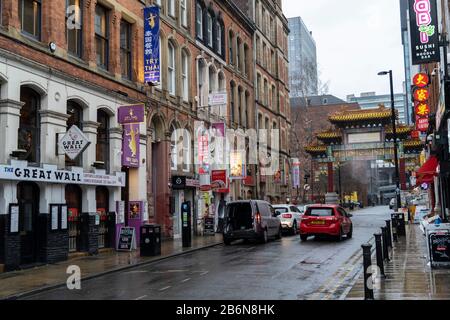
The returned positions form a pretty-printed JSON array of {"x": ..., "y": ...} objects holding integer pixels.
[{"x": 271, "y": 90}]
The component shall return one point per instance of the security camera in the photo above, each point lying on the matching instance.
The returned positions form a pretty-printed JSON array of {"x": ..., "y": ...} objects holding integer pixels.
[
  {"x": 52, "y": 47},
  {"x": 435, "y": 70}
]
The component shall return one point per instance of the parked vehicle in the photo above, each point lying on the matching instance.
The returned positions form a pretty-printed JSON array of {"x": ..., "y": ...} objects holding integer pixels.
[
  {"x": 250, "y": 219},
  {"x": 289, "y": 216},
  {"x": 321, "y": 219},
  {"x": 302, "y": 207}
]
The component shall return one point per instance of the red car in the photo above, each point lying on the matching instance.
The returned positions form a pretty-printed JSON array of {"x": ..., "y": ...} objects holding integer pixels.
[{"x": 326, "y": 219}]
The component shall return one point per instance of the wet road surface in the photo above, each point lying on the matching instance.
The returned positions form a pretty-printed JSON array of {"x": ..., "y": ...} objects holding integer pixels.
[{"x": 285, "y": 269}]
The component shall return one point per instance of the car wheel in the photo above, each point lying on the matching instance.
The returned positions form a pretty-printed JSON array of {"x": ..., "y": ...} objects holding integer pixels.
[
  {"x": 340, "y": 237},
  {"x": 303, "y": 237},
  {"x": 280, "y": 233},
  {"x": 294, "y": 228},
  {"x": 226, "y": 241},
  {"x": 350, "y": 233},
  {"x": 264, "y": 237}
]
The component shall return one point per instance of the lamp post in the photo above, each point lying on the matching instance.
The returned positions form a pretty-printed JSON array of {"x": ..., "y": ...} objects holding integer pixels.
[{"x": 394, "y": 131}]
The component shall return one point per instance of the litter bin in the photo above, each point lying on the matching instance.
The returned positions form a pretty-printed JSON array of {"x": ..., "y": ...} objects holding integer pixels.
[
  {"x": 398, "y": 219},
  {"x": 150, "y": 240}
]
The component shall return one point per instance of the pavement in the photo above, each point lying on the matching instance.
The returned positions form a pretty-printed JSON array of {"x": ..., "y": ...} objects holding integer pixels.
[
  {"x": 408, "y": 275},
  {"x": 285, "y": 269},
  {"x": 19, "y": 284}
]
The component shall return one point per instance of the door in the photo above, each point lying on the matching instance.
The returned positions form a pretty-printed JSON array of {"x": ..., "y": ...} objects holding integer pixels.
[
  {"x": 73, "y": 201},
  {"x": 345, "y": 220},
  {"x": 102, "y": 199},
  {"x": 28, "y": 196}
]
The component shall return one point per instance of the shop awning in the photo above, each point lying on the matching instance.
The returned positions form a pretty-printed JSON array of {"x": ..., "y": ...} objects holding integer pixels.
[{"x": 427, "y": 172}]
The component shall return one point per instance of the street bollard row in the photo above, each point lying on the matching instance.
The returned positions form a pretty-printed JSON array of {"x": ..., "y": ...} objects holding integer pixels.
[{"x": 383, "y": 242}]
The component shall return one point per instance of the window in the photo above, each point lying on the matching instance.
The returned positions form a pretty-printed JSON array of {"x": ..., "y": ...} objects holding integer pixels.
[
  {"x": 239, "y": 106},
  {"x": 258, "y": 88},
  {"x": 238, "y": 53},
  {"x": 230, "y": 47},
  {"x": 74, "y": 20},
  {"x": 319, "y": 212},
  {"x": 29, "y": 125},
  {"x": 209, "y": 29},
  {"x": 30, "y": 17},
  {"x": 101, "y": 36},
  {"x": 186, "y": 150},
  {"x": 266, "y": 92},
  {"x": 257, "y": 17},
  {"x": 199, "y": 20},
  {"x": 232, "y": 87},
  {"x": 183, "y": 13},
  {"x": 75, "y": 113},
  {"x": 159, "y": 86},
  {"x": 173, "y": 148},
  {"x": 219, "y": 38},
  {"x": 184, "y": 76},
  {"x": 246, "y": 60},
  {"x": 171, "y": 69},
  {"x": 102, "y": 147},
  {"x": 125, "y": 49},
  {"x": 171, "y": 7},
  {"x": 158, "y": 2}
]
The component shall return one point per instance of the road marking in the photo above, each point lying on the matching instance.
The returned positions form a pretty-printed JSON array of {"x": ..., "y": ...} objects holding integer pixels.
[
  {"x": 140, "y": 298},
  {"x": 206, "y": 272},
  {"x": 165, "y": 288},
  {"x": 186, "y": 280}
]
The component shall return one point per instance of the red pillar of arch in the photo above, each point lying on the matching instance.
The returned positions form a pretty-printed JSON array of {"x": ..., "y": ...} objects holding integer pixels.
[
  {"x": 330, "y": 177},
  {"x": 402, "y": 173}
]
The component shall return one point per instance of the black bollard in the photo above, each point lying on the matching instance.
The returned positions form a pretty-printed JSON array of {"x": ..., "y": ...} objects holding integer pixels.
[
  {"x": 385, "y": 246},
  {"x": 367, "y": 262},
  {"x": 394, "y": 229},
  {"x": 379, "y": 252},
  {"x": 389, "y": 233}
]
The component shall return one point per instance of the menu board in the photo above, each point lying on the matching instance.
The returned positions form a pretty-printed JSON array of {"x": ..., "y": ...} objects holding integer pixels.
[
  {"x": 54, "y": 216},
  {"x": 209, "y": 226},
  {"x": 14, "y": 219},
  {"x": 440, "y": 247},
  {"x": 64, "y": 217},
  {"x": 127, "y": 239}
]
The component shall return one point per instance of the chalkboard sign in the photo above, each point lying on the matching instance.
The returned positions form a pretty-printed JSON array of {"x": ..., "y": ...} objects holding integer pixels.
[
  {"x": 127, "y": 239},
  {"x": 209, "y": 226},
  {"x": 440, "y": 247}
]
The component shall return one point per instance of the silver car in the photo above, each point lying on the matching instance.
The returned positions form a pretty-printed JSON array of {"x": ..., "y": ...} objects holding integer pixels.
[{"x": 290, "y": 217}]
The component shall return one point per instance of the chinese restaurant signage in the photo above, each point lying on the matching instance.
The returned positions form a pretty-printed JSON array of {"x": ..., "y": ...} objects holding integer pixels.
[
  {"x": 74, "y": 142},
  {"x": 219, "y": 181},
  {"x": 424, "y": 31},
  {"x": 421, "y": 80},
  {"x": 152, "y": 65},
  {"x": 422, "y": 109},
  {"x": 422, "y": 124},
  {"x": 130, "y": 117},
  {"x": 421, "y": 94}
]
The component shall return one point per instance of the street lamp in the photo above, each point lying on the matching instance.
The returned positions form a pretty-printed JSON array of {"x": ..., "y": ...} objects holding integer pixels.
[{"x": 394, "y": 131}]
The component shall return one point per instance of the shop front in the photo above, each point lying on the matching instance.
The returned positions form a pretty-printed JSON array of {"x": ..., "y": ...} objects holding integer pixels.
[{"x": 184, "y": 189}]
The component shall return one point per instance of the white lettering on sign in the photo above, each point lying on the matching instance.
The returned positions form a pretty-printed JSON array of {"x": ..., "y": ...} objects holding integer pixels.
[{"x": 74, "y": 142}]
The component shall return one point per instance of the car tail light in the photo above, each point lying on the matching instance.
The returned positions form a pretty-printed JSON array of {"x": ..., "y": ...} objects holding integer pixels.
[
  {"x": 258, "y": 217},
  {"x": 305, "y": 219},
  {"x": 287, "y": 215}
]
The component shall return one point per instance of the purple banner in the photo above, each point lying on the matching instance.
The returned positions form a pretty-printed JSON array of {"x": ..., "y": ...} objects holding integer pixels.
[
  {"x": 152, "y": 65},
  {"x": 130, "y": 145},
  {"x": 131, "y": 114}
]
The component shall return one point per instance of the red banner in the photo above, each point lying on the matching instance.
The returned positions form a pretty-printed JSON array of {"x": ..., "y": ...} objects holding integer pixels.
[
  {"x": 421, "y": 80},
  {"x": 422, "y": 124},
  {"x": 219, "y": 182}
]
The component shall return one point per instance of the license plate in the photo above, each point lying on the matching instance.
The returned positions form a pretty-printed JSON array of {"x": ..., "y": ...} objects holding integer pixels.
[{"x": 318, "y": 222}]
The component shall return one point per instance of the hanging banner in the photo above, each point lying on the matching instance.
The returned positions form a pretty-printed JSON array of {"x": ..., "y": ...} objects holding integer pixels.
[
  {"x": 131, "y": 114},
  {"x": 422, "y": 109},
  {"x": 130, "y": 145},
  {"x": 424, "y": 31},
  {"x": 219, "y": 181},
  {"x": 203, "y": 151},
  {"x": 421, "y": 80},
  {"x": 421, "y": 95},
  {"x": 237, "y": 166},
  {"x": 152, "y": 65}
]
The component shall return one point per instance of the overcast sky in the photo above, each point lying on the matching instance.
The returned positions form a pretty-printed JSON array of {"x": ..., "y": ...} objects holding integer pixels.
[{"x": 355, "y": 40}]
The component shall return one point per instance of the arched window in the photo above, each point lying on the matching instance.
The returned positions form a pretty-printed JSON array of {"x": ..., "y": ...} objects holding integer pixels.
[
  {"x": 219, "y": 35},
  {"x": 239, "y": 101},
  {"x": 230, "y": 47},
  {"x": 187, "y": 143},
  {"x": 171, "y": 78},
  {"x": 29, "y": 125},
  {"x": 185, "y": 75},
  {"x": 238, "y": 53},
  {"x": 173, "y": 148},
  {"x": 212, "y": 79},
  {"x": 199, "y": 19},
  {"x": 232, "y": 102},
  {"x": 102, "y": 148},
  {"x": 75, "y": 113},
  {"x": 183, "y": 13},
  {"x": 209, "y": 29}
]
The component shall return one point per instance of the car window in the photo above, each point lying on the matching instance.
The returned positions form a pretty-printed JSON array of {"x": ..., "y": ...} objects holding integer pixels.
[
  {"x": 343, "y": 212},
  {"x": 320, "y": 212},
  {"x": 264, "y": 209},
  {"x": 272, "y": 211},
  {"x": 235, "y": 209},
  {"x": 280, "y": 210},
  {"x": 294, "y": 209}
]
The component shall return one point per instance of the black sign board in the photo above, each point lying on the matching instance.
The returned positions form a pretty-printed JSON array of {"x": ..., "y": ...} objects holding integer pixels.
[
  {"x": 127, "y": 239},
  {"x": 424, "y": 31},
  {"x": 440, "y": 247},
  {"x": 209, "y": 226},
  {"x": 178, "y": 182}
]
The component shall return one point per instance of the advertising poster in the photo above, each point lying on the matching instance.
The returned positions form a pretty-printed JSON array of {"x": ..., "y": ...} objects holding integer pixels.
[
  {"x": 130, "y": 146},
  {"x": 237, "y": 166},
  {"x": 152, "y": 65}
]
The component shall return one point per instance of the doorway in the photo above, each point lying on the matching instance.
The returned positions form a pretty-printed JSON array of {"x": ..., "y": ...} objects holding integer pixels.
[
  {"x": 74, "y": 207},
  {"x": 102, "y": 198},
  {"x": 28, "y": 199}
]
